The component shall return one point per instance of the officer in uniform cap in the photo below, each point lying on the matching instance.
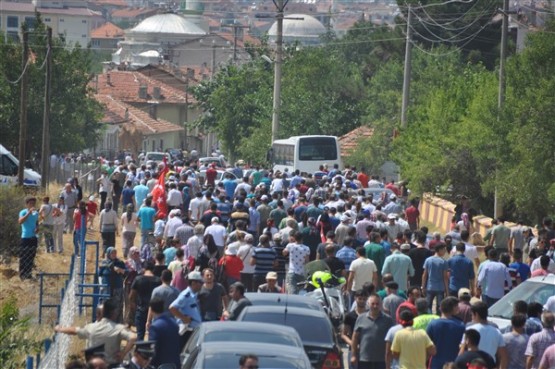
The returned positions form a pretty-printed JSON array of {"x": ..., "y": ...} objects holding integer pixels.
[
  {"x": 94, "y": 351},
  {"x": 186, "y": 307},
  {"x": 144, "y": 352}
]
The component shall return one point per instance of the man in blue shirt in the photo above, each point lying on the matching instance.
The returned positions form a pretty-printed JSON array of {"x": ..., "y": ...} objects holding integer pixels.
[
  {"x": 165, "y": 332},
  {"x": 400, "y": 265},
  {"x": 29, "y": 221},
  {"x": 230, "y": 185},
  {"x": 146, "y": 217},
  {"x": 494, "y": 275},
  {"x": 186, "y": 308},
  {"x": 435, "y": 279},
  {"x": 347, "y": 254},
  {"x": 446, "y": 333},
  {"x": 461, "y": 271},
  {"x": 141, "y": 191}
]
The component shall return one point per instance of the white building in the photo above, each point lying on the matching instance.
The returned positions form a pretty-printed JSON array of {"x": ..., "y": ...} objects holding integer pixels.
[
  {"x": 305, "y": 30},
  {"x": 72, "y": 23}
]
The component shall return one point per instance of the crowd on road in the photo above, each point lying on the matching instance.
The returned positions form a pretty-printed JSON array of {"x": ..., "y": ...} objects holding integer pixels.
[{"x": 206, "y": 236}]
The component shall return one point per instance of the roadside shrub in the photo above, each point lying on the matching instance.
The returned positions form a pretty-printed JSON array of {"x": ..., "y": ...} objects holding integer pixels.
[
  {"x": 16, "y": 337},
  {"x": 12, "y": 200}
]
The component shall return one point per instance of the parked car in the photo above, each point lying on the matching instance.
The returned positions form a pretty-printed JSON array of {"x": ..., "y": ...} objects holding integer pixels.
[
  {"x": 175, "y": 154},
  {"x": 219, "y": 177},
  {"x": 314, "y": 327},
  {"x": 218, "y": 355},
  {"x": 219, "y": 161},
  {"x": 537, "y": 289},
  {"x": 380, "y": 195},
  {"x": 280, "y": 299},
  {"x": 157, "y": 157},
  {"x": 242, "y": 332},
  {"x": 9, "y": 166}
]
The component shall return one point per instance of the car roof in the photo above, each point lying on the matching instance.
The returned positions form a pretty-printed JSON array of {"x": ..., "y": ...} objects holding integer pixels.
[
  {"x": 548, "y": 279},
  {"x": 250, "y": 347},
  {"x": 246, "y": 327},
  {"x": 282, "y": 299},
  {"x": 281, "y": 310}
]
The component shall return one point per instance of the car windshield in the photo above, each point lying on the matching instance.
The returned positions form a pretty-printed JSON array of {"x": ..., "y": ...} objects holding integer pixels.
[
  {"x": 250, "y": 336},
  {"x": 527, "y": 291},
  {"x": 214, "y": 360},
  {"x": 156, "y": 157},
  {"x": 310, "y": 328}
]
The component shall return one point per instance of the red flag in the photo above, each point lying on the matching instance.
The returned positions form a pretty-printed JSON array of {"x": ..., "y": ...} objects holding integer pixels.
[{"x": 159, "y": 192}]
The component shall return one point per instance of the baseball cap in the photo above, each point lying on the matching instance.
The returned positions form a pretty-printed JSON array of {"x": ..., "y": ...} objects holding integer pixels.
[
  {"x": 264, "y": 198},
  {"x": 392, "y": 216},
  {"x": 271, "y": 275},
  {"x": 464, "y": 291},
  {"x": 215, "y": 220},
  {"x": 195, "y": 276},
  {"x": 145, "y": 348}
]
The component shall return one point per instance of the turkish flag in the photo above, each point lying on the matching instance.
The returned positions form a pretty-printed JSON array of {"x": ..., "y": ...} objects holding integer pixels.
[{"x": 159, "y": 191}]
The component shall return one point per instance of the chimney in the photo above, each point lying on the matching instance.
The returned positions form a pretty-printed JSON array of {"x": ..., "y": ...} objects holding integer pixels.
[
  {"x": 152, "y": 111},
  {"x": 143, "y": 92}
]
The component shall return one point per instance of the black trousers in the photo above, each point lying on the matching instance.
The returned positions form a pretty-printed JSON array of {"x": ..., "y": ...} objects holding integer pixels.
[{"x": 27, "y": 253}]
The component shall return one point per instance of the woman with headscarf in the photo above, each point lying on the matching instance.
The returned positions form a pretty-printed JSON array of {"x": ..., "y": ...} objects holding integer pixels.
[
  {"x": 129, "y": 228},
  {"x": 108, "y": 227},
  {"x": 135, "y": 268},
  {"x": 112, "y": 272}
]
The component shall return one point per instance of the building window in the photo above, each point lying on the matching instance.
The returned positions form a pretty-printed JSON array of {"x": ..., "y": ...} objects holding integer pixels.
[
  {"x": 47, "y": 20},
  {"x": 30, "y": 22},
  {"x": 84, "y": 36},
  {"x": 84, "y": 21},
  {"x": 14, "y": 36},
  {"x": 13, "y": 22},
  {"x": 61, "y": 19},
  {"x": 161, "y": 144},
  {"x": 95, "y": 43}
]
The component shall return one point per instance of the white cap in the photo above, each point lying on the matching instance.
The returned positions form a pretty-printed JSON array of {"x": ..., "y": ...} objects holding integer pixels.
[
  {"x": 392, "y": 216},
  {"x": 215, "y": 220},
  {"x": 263, "y": 197},
  {"x": 195, "y": 276},
  {"x": 232, "y": 249}
]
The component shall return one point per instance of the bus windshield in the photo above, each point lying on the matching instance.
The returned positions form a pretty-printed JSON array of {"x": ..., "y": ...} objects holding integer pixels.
[{"x": 317, "y": 148}]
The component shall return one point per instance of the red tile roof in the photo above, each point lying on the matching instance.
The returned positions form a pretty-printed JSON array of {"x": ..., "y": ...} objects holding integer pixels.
[
  {"x": 115, "y": 112},
  {"x": 349, "y": 141},
  {"x": 124, "y": 86},
  {"x": 119, "y": 3},
  {"x": 132, "y": 12},
  {"x": 107, "y": 30}
]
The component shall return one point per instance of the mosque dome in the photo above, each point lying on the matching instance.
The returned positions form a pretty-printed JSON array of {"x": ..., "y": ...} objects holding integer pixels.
[
  {"x": 168, "y": 24},
  {"x": 306, "y": 28}
]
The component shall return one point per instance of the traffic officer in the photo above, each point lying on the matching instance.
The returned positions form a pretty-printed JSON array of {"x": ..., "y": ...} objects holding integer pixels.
[
  {"x": 144, "y": 352},
  {"x": 186, "y": 307}
]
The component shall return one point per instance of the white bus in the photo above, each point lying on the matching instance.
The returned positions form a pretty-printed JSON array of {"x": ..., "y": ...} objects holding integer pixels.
[{"x": 305, "y": 153}]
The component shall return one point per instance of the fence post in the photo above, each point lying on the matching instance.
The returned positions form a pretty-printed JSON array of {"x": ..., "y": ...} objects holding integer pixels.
[
  {"x": 41, "y": 278},
  {"x": 29, "y": 362}
]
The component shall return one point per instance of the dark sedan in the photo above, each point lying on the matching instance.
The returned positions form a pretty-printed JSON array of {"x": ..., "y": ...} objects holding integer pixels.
[{"x": 314, "y": 327}]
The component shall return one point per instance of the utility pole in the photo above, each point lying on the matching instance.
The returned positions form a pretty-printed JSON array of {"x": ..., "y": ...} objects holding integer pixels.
[
  {"x": 46, "y": 116},
  {"x": 213, "y": 61},
  {"x": 407, "y": 72},
  {"x": 498, "y": 203},
  {"x": 280, "y": 6},
  {"x": 23, "y": 107}
]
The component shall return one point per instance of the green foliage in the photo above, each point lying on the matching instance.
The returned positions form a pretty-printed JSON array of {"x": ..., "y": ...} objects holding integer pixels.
[
  {"x": 12, "y": 200},
  {"x": 74, "y": 112},
  {"x": 16, "y": 338}
]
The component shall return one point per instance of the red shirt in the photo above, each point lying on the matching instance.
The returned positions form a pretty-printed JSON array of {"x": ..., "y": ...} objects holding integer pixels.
[
  {"x": 211, "y": 174},
  {"x": 363, "y": 179},
  {"x": 77, "y": 219},
  {"x": 412, "y": 214},
  {"x": 92, "y": 207},
  {"x": 233, "y": 266},
  {"x": 393, "y": 188}
]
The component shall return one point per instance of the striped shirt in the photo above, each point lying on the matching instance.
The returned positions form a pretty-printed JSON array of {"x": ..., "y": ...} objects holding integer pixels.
[{"x": 264, "y": 260}]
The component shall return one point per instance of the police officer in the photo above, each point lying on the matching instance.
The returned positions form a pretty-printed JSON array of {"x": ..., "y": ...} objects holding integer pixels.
[
  {"x": 144, "y": 352},
  {"x": 186, "y": 307}
]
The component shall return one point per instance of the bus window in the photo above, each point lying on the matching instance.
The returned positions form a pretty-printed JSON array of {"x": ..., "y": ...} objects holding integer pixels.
[{"x": 317, "y": 148}]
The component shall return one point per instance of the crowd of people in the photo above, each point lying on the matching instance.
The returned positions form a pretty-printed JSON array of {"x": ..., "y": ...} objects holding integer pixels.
[{"x": 418, "y": 299}]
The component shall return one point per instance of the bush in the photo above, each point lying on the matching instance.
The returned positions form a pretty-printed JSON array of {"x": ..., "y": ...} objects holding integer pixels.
[
  {"x": 12, "y": 200},
  {"x": 16, "y": 339}
]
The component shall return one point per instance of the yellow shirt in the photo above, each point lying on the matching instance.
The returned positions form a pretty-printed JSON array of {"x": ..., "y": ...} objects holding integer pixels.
[{"x": 411, "y": 344}]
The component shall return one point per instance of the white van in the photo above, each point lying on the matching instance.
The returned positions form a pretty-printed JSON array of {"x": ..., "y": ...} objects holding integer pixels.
[{"x": 8, "y": 170}]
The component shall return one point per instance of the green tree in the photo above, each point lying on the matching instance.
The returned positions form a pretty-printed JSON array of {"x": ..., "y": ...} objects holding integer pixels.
[
  {"x": 16, "y": 337},
  {"x": 74, "y": 112}
]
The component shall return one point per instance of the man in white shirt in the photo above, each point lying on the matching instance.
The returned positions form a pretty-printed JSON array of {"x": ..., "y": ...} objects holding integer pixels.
[
  {"x": 361, "y": 271},
  {"x": 218, "y": 232},
  {"x": 195, "y": 208},
  {"x": 174, "y": 199},
  {"x": 470, "y": 250}
]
